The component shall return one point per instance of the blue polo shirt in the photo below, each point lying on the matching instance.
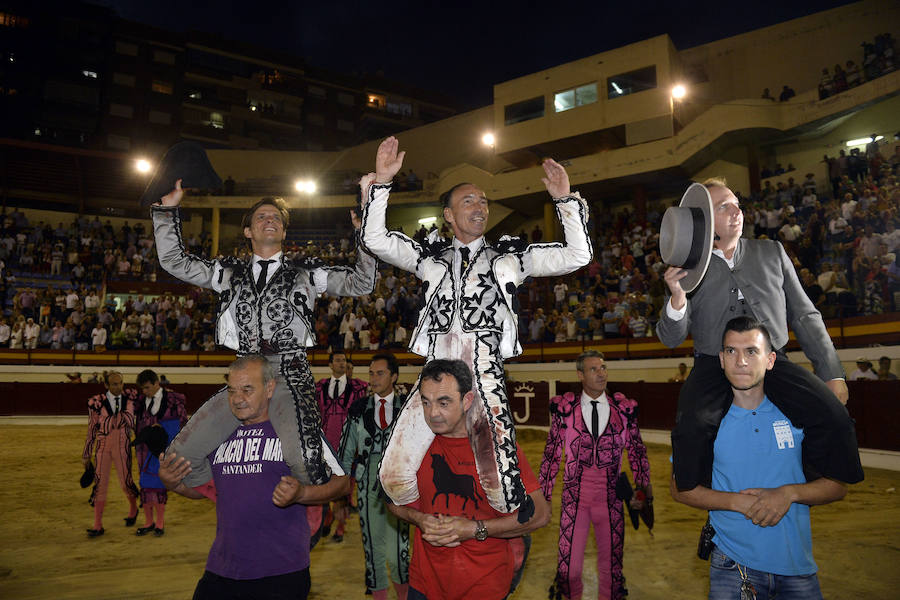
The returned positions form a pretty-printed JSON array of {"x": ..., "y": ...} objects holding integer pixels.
[{"x": 761, "y": 448}]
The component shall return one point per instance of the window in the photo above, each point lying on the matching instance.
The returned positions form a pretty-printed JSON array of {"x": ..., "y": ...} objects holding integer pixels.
[
  {"x": 160, "y": 117},
  {"x": 161, "y": 56},
  {"x": 524, "y": 111},
  {"x": 90, "y": 74},
  {"x": 344, "y": 125},
  {"x": 317, "y": 92},
  {"x": 195, "y": 95},
  {"x": 586, "y": 94},
  {"x": 126, "y": 48},
  {"x": 124, "y": 79},
  {"x": 400, "y": 108},
  {"x": 631, "y": 83},
  {"x": 346, "y": 99},
  {"x": 375, "y": 101},
  {"x": 216, "y": 120},
  {"x": 9, "y": 20},
  {"x": 161, "y": 87},
  {"x": 121, "y": 110},
  {"x": 119, "y": 142}
]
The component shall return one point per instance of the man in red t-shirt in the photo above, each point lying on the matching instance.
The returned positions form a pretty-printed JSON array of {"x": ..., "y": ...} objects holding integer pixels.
[{"x": 461, "y": 547}]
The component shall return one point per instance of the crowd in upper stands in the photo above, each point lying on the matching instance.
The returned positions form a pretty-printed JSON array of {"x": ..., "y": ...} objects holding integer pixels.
[
  {"x": 878, "y": 60},
  {"x": 842, "y": 236}
]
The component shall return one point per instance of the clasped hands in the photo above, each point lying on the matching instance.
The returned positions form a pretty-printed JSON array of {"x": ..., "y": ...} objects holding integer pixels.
[
  {"x": 765, "y": 506},
  {"x": 446, "y": 530}
]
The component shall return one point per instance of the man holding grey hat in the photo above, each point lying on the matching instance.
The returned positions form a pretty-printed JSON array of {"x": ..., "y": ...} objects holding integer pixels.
[{"x": 754, "y": 278}]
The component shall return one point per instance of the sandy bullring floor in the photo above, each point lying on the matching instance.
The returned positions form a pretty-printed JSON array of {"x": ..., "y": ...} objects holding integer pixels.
[{"x": 44, "y": 552}]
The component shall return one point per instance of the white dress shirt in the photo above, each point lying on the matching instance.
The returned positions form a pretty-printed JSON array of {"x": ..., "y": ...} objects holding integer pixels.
[
  {"x": 153, "y": 404},
  {"x": 342, "y": 384},
  {"x": 117, "y": 407},
  {"x": 587, "y": 410},
  {"x": 273, "y": 266}
]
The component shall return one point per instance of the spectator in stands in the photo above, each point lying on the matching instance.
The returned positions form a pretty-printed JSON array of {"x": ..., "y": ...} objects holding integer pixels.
[
  {"x": 826, "y": 84},
  {"x": 884, "y": 369},
  {"x": 30, "y": 333},
  {"x": 852, "y": 74},
  {"x": 611, "y": 323},
  {"x": 16, "y": 338},
  {"x": 786, "y": 94},
  {"x": 863, "y": 370},
  {"x": 766, "y": 95},
  {"x": 681, "y": 375},
  {"x": 840, "y": 79},
  {"x": 98, "y": 338},
  {"x": 5, "y": 332}
]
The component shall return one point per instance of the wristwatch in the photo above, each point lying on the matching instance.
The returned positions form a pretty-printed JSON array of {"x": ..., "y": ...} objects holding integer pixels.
[{"x": 480, "y": 531}]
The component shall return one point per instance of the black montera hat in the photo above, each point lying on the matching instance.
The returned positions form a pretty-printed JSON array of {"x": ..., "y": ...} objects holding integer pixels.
[{"x": 186, "y": 161}]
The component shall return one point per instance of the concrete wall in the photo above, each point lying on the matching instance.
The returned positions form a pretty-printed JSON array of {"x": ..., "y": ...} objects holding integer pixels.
[
  {"x": 604, "y": 113},
  {"x": 791, "y": 53}
]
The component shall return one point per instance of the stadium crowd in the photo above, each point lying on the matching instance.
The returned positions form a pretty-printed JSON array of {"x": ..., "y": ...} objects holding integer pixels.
[{"x": 842, "y": 236}]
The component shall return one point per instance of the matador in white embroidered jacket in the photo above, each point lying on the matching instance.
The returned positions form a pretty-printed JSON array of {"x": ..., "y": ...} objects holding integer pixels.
[
  {"x": 469, "y": 289},
  {"x": 265, "y": 307}
]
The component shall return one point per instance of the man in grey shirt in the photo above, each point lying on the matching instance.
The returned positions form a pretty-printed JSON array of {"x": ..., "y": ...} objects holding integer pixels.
[{"x": 754, "y": 278}]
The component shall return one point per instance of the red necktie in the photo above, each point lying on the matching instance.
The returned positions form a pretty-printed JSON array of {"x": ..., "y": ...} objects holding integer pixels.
[{"x": 382, "y": 415}]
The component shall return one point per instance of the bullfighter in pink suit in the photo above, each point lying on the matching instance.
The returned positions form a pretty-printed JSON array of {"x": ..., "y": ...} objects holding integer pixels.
[
  {"x": 164, "y": 408},
  {"x": 335, "y": 395},
  {"x": 110, "y": 424},
  {"x": 594, "y": 429}
]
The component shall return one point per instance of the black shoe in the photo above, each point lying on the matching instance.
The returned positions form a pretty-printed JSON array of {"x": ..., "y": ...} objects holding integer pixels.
[
  {"x": 92, "y": 533},
  {"x": 337, "y": 539},
  {"x": 159, "y": 532},
  {"x": 144, "y": 530},
  {"x": 130, "y": 521}
]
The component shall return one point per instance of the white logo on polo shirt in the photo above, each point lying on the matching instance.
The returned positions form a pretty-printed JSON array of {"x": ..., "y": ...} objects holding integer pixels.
[{"x": 783, "y": 434}]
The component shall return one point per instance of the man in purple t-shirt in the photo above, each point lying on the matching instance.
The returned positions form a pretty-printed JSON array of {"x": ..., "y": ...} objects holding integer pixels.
[{"x": 261, "y": 548}]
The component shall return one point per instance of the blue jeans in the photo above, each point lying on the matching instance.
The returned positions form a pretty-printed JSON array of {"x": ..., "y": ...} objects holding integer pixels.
[{"x": 725, "y": 582}]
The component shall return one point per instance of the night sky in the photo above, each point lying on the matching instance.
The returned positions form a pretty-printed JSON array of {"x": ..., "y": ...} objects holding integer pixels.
[{"x": 458, "y": 49}]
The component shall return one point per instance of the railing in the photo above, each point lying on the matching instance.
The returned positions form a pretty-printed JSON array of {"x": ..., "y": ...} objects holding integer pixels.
[
  {"x": 846, "y": 333},
  {"x": 873, "y": 404}
]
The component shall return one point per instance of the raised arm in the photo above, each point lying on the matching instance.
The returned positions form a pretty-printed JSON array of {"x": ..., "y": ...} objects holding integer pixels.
[
  {"x": 675, "y": 318},
  {"x": 170, "y": 247},
  {"x": 356, "y": 281},
  {"x": 576, "y": 250},
  {"x": 390, "y": 246}
]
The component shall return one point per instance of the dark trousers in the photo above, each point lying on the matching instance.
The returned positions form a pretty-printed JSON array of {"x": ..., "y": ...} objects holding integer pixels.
[
  {"x": 290, "y": 586},
  {"x": 829, "y": 443}
]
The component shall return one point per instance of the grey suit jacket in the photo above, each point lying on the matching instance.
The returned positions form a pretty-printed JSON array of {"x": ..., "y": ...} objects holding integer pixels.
[{"x": 772, "y": 293}]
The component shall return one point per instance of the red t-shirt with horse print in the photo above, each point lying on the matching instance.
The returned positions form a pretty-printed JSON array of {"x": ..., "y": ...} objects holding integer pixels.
[{"x": 449, "y": 485}]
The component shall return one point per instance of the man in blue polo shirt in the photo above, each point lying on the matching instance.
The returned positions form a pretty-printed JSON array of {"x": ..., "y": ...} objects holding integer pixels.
[
  {"x": 261, "y": 548},
  {"x": 759, "y": 501}
]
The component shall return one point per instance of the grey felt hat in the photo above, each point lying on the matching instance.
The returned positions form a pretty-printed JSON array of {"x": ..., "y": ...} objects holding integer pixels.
[
  {"x": 186, "y": 161},
  {"x": 686, "y": 235}
]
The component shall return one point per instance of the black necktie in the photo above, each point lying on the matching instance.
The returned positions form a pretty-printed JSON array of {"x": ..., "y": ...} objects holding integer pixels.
[
  {"x": 464, "y": 263},
  {"x": 261, "y": 280},
  {"x": 116, "y": 406},
  {"x": 595, "y": 418},
  {"x": 334, "y": 392}
]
